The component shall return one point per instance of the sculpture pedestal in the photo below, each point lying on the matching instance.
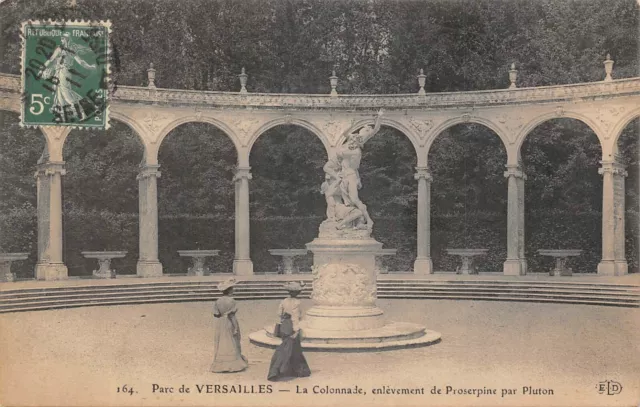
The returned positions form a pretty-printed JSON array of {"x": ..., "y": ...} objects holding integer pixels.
[
  {"x": 344, "y": 285},
  {"x": 345, "y": 315}
]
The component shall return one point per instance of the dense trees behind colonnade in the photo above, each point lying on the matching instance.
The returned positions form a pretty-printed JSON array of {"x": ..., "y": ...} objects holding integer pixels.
[{"x": 377, "y": 47}]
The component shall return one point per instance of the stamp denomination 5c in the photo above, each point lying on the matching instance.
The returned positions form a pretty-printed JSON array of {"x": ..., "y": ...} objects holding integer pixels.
[{"x": 65, "y": 74}]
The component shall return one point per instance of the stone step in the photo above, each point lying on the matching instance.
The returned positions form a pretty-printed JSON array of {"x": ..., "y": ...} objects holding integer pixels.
[
  {"x": 214, "y": 293},
  {"x": 278, "y": 287},
  {"x": 382, "y": 283},
  {"x": 163, "y": 299},
  {"x": 210, "y": 296}
]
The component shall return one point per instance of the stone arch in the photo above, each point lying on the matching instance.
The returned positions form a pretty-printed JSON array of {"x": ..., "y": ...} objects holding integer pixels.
[
  {"x": 394, "y": 124},
  {"x": 194, "y": 119},
  {"x": 622, "y": 124},
  {"x": 288, "y": 121},
  {"x": 467, "y": 189},
  {"x": 538, "y": 120},
  {"x": 133, "y": 125},
  {"x": 461, "y": 120},
  {"x": 124, "y": 119}
]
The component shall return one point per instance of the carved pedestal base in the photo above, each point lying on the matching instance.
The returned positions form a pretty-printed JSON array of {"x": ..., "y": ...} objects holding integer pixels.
[
  {"x": 51, "y": 271},
  {"x": 345, "y": 315},
  {"x": 104, "y": 269}
]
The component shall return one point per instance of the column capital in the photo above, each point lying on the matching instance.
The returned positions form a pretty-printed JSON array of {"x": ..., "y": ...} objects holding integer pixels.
[
  {"x": 613, "y": 167},
  {"x": 423, "y": 173},
  {"x": 514, "y": 171},
  {"x": 50, "y": 168},
  {"x": 148, "y": 170},
  {"x": 242, "y": 173}
]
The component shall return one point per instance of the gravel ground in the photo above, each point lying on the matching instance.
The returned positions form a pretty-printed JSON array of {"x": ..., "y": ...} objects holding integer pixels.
[{"x": 81, "y": 356}]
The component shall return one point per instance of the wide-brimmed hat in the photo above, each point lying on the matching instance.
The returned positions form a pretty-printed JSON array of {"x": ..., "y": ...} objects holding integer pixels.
[
  {"x": 294, "y": 286},
  {"x": 226, "y": 284}
]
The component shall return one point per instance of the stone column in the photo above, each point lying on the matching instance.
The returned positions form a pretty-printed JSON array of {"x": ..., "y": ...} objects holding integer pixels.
[
  {"x": 50, "y": 265},
  {"x": 423, "y": 263},
  {"x": 516, "y": 263},
  {"x": 242, "y": 264},
  {"x": 148, "y": 263},
  {"x": 613, "y": 261}
]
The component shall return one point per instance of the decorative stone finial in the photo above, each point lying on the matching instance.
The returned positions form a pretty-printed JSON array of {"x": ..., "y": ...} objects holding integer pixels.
[
  {"x": 151, "y": 76},
  {"x": 243, "y": 80},
  {"x": 333, "y": 79},
  {"x": 421, "y": 80},
  {"x": 513, "y": 75},
  {"x": 608, "y": 68}
]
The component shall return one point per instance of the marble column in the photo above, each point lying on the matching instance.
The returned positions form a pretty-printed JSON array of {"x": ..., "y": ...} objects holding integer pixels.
[
  {"x": 148, "y": 263},
  {"x": 242, "y": 264},
  {"x": 516, "y": 263},
  {"x": 613, "y": 261},
  {"x": 423, "y": 263},
  {"x": 50, "y": 265}
]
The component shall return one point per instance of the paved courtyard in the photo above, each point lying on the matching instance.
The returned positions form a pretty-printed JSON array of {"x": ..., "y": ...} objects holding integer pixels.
[{"x": 82, "y": 356}]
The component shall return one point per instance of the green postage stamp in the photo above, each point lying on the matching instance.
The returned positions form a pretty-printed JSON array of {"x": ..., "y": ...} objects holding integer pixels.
[{"x": 65, "y": 74}]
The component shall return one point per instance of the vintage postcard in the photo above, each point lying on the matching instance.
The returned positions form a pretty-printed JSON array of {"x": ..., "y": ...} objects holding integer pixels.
[{"x": 319, "y": 203}]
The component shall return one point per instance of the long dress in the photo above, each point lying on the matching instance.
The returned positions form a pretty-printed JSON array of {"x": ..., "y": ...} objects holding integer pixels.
[
  {"x": 228, "y": 354},
  {"x": 288, "y": 360}
]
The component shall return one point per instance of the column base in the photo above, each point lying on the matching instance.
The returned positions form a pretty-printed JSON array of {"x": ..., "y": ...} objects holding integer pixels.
[
  {"x": 514, "y": 268},
  {"x": 51, "y": 271},
  {"x": 423, "y": 266},
  {"x": 612, "y": 268},
  {"x": 149, "y": 269},
  {"x": 243, "y": 267}
]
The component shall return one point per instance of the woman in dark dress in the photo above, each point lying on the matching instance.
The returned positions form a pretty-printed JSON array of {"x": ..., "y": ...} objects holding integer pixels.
[{"x": 288, "y": 360}]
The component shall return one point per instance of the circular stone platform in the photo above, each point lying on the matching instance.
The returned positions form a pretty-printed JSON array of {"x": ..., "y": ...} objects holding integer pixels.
[{"x": 391, "y": 336}]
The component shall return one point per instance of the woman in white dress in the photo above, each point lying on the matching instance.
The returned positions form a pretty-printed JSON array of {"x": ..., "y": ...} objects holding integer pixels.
[
  {"x": 288, "y": 360},
  {"x": 226, "y": 341}
]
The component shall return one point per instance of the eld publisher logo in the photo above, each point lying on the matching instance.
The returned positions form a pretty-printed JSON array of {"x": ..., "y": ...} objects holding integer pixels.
[{"x": 609, "y": 387}]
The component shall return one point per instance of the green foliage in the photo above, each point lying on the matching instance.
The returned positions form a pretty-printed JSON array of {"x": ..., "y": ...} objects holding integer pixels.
[{"x": 291, "y": 46}]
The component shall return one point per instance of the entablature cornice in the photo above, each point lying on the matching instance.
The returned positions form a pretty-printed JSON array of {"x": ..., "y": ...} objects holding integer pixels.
[{"x": 441, "y": 100}]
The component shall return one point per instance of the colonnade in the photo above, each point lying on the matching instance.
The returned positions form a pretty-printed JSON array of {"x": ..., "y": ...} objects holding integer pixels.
[
  {"x": 50, "y": 265},
  {"x": 606, "y": 107}
]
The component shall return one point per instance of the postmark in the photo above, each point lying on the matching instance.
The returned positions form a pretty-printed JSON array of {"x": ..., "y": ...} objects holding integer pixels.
[{"x": 65, "y": 74}]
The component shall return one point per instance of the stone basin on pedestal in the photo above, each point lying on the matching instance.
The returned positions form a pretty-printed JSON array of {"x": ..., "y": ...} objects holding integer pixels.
[
  {"x": 198, "y": 257},
  {"x": 104, "y": 262},
  {"x": 5, "y": 265}
]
